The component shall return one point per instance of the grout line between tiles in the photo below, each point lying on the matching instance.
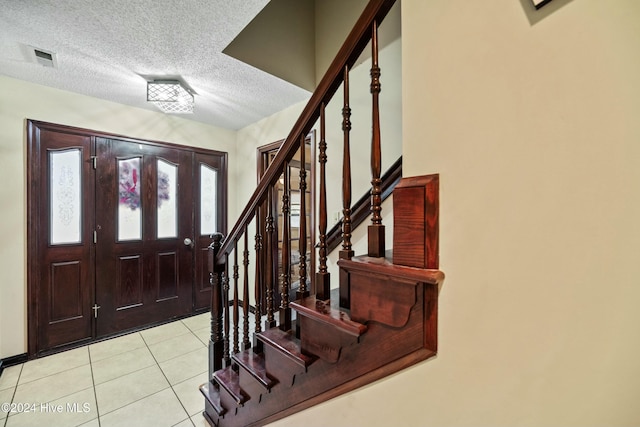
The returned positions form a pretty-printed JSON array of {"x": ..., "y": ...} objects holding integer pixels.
[
  {"x": 93, "y": 381},
  {"x": 167, "y": 379},
  {"x": 13, "y": 396}
]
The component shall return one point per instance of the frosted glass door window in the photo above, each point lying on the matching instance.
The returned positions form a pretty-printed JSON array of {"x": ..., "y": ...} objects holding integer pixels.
[
  {"x": 64, "y": 196},
  {"x": 208, "y": 197},
  {"x": 167, "y": 202},
  {"x": 129, "y": 206}
]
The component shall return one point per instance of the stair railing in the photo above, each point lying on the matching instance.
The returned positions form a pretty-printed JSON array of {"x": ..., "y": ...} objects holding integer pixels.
[{"x": 260, "y": 210}]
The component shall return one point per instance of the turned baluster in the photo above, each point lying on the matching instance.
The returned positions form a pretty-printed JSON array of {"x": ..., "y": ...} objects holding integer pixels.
[
  {"x": 236, "y": 307},
  {"x": 246, "y": 343},
  {"x": 216, "y": 341},
  {"x": 285, "y": 276},
  {"x": 302, "y": 245},
  {"x": 269, "y": 261},
  {"x": 225, "y": 308},
  {"x": 322, "y": 276},
  {"x": 259, "y": 277},
  {"x": 346, "y": 252},
  {"x": 376, "y": 243}
]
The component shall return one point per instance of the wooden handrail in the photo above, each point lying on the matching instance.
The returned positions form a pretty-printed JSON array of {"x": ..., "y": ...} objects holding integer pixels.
[{"x": 374, "y": 12}]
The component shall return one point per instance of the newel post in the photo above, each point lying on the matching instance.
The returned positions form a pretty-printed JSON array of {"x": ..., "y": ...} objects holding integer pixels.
[{"x": 216, "y": 342}]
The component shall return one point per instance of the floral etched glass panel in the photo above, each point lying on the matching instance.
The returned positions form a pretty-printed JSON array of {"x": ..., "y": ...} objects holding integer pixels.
[
  {"x": 167, "y": 203},
  {"x": 65, "y": 202},
  {"x": 208, "y": 197},
  {"x": 129, "y": 206}
]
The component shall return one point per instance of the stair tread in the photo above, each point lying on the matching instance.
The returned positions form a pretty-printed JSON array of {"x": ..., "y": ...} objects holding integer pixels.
[
  {"x": 321, "y": 311},
  {"x": 287, "y": 344},
  {"x": 254, "y": 364},
  {"x": 228, "y": 379},
  {"x": 212, "y": 395}
]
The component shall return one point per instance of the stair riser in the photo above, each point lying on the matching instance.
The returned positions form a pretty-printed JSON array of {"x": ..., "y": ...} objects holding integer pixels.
[
  {"x": 281, "y": 367},
  {"x": 251, "y": 387},
  {"x": 228, "y": 402},
  {"x": 323, "y": 339},
  {"x": 210, "y": 414}
]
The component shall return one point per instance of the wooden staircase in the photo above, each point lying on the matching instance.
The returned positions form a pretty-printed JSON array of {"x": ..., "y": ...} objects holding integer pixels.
[
  {"x": 307, "y": 351},
  {"x": 395, "y": 327}
]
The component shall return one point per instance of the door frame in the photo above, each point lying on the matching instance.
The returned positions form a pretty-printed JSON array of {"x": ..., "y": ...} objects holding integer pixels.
[
  {"x": 34, "y": 207},
  {"x": 262, "y": 155}
]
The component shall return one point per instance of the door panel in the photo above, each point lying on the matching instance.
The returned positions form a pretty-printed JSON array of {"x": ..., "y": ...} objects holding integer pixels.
[
  {"x": 144, "y": 269},
  {"x": 210, "y": 216},
  {"x": 65, "y": 250}
]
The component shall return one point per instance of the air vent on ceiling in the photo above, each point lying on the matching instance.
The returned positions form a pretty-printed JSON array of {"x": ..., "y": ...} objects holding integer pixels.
[{"x": 44, "y": 58}]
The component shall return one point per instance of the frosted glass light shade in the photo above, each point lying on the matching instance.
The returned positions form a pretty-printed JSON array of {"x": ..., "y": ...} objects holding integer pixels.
[{"x": 170, "y": 96}]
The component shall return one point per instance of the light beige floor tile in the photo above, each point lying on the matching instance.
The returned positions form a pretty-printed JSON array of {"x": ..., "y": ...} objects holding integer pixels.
[
  {"x": 55, "y": 386},
  {"x": 199, "y": 421},
  {"x": 203, "y": 335},
  {"x": 186, "y": 366},
  {"x": 173, "y": 347},
  {"x": 198, "y": 322},
  {"x": 127, "y": 389},
  {"x": 122, "y": 364},
  {"x": 115, "y": 346},
  {"x": 92, "y": 423},
  {"x": 158, "y": 410},
  {"x": 71, "y": 410},
  {"x": 164, "y": 332},
  {"x": 40, "y": 368},
  {"x": 9, "y": 377},
  {"x": 189, "y": 394},
  {"x": 185, "y": 423},
  {"x": 6, "y": 396}
]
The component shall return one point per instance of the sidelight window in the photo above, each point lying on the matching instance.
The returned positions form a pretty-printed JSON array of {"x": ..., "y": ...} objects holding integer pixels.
[{"x": 65, "y": 203}]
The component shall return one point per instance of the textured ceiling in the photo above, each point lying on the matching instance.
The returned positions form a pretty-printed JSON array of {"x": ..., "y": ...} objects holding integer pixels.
[{"x": 108, "y": 49}]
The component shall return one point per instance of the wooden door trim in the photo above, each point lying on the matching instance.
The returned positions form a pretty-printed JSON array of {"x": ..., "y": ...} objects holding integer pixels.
[
  {"x": 262, "y": 154},
  {"x": 34, "y": 234}
]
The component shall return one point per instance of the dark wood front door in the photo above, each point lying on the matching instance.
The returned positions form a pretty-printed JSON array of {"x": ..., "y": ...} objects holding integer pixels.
[
  {"x": 144, "y": 249},
  {"x": 118, "y": 233}
]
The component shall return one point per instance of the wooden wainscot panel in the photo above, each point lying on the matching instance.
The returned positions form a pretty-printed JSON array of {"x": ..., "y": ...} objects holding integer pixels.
[{"x": 415, "y": 224}]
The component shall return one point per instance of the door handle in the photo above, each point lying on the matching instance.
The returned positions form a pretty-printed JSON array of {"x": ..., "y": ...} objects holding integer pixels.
[{"x": 188, "y": 242}]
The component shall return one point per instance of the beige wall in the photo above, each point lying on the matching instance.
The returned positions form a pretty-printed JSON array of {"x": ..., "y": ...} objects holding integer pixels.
[
  {"x": 19, "y": 101},
  {"x": 535, "y": 132}
]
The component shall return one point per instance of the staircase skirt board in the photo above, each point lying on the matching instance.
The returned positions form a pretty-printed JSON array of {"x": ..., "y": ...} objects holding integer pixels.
[{"x": 386, "y": 370}]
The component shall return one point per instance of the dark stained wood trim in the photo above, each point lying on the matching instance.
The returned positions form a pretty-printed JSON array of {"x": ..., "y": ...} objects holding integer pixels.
[
  {"x": 262, "y": 154},
  {"x": 11, "y": 361},
  {"x": 361, "y": 209},
  {"x": 358, "y": 38}
]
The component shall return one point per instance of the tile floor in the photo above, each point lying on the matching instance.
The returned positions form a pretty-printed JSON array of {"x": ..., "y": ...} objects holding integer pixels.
[{"x": 147, "y": 378}]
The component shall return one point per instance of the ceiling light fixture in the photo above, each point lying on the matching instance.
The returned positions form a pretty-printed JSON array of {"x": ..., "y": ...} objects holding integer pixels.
[{"x": 170, "y": 96}]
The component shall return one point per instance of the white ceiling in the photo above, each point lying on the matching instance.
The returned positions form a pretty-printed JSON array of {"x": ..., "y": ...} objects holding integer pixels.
[{"x": 109, "y": 49}]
